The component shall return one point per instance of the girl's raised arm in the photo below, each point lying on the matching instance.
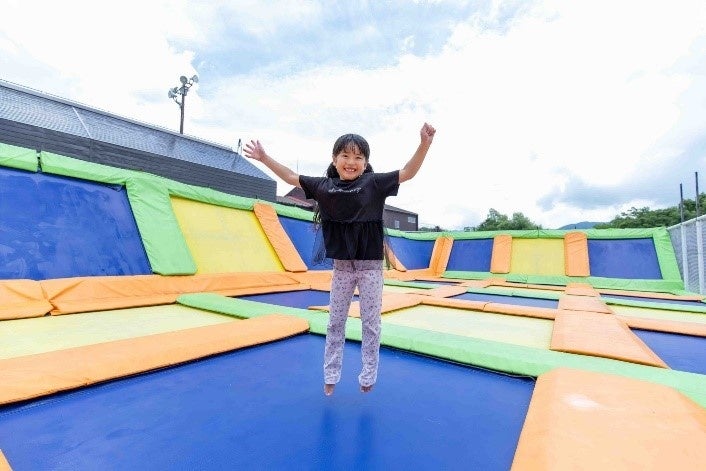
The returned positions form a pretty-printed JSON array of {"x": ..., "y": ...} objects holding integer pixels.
[
  {"x": 254, "y": 150},
  {"x": 412, "y": 167}
]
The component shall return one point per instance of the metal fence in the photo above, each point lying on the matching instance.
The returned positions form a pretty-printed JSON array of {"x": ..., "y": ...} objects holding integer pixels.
[{"x": 688, "y": 241}]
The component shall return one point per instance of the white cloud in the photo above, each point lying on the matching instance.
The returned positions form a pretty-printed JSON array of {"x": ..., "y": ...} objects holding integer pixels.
[{"x": 596, "y": 95}]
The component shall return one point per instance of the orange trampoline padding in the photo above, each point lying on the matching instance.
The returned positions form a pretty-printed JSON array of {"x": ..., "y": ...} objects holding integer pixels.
[
  {"x": 20, "y": 299},
  {"x": 4, "y": 465},
  {"x": 83, "y": 294},
  {"x": 390, "y": 302},
  {"x": 394, "y": 261},
  {"x": 576, "y": 254},
  {"x": 581, "y": 289},
  {"x": 37, "y": 375},
  {"x": 284, "y": 248},
  {"x": 664, "y": 325},
  {"x": 477, "y": 283},
  {"x": 648, "y": 295},
  {"x": 440, "y": 255},
  {"x": 590, "y": 333},
  {"x": 454, "y": 303},
  {"x": 444, "y": 291},
  {"x": 502, "y": 254},
  {"x": 526, "y": 311},
  {"x": 583, "y": 303},
  {"x": 581, "y": 420}
]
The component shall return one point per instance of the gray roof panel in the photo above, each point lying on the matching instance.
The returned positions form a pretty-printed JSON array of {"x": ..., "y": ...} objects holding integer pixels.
[{"x": 38, "y": 109}]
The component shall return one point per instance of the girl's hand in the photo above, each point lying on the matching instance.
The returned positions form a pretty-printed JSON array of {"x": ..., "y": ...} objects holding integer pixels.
[
  {"x": 427, "y": 133},
  {"x": 254, "y": 150}
]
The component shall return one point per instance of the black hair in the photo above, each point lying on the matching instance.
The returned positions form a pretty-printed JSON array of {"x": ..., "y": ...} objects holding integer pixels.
[{"x": 350, "y": 141}]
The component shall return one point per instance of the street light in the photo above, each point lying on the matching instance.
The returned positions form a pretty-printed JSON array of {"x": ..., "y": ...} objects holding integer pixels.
[{"x": 174, "y": 93}]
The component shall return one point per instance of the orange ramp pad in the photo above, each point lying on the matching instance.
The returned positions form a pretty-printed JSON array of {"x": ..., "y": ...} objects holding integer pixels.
[
  {"x": 582, "y": 420},
  {"x": 20, "y": 299},
  {"x": 576, "y": 254},
  {"x": 283, "y": 246},
  {"x": 37, "y": 375},
  {"x": 440, "y": 255},
  {"x": 500, "y": 259},
  {"x": 590, "y": 333}
]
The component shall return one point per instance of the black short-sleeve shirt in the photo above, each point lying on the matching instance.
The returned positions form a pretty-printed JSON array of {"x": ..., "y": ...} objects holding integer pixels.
[{"x": 351, "y": 212}]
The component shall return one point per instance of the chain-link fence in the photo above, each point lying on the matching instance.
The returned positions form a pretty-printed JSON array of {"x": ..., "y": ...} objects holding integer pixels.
[{"x": 688, "y": 241}]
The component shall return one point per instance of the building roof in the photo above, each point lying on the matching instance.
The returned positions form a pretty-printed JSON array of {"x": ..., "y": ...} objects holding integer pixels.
[{"x": 31, "y": 107}]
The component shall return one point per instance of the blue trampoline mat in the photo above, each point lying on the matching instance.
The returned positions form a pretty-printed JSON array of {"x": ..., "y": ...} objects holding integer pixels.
[
  {"x": 263, "y": 408},
  {"x": 514, "y": 300},
  {"x": 680, "y": 352},
  {"x": 299, "y": 299}
]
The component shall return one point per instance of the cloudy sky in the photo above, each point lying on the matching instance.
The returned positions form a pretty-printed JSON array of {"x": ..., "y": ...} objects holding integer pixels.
[{"x": 566, "y": 111}]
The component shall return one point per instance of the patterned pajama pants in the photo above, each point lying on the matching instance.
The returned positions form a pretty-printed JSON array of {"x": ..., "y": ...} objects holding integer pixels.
[{"x": 367, "y": 276}]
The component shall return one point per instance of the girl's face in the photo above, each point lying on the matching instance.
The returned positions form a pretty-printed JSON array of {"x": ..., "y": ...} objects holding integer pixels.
[{"x": 349, "y": 163}]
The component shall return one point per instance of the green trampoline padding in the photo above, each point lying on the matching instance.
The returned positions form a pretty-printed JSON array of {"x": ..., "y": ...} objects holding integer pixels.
[
  {"x": 18, "y": 157},
  {"x": 664, "y": 315},
  {"x": 516, "y": 330},
  {"x": 513, "y": 359},
  {"x": 50, "y": 333}
]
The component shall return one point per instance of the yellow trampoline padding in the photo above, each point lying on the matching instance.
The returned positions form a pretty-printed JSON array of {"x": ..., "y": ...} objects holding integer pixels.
[
  {"x": 275, "y": 233},
  {"x": 224, "y": 240},
  {"x": 576, "y": 254},
  {"x": 4, "y": 465},
  {"x": 96, "y": 293},
  {"x": 33, "y": 376},
  {"x": 570, "y": 302},
  {"x": 501, "y": 257},
  {"x": 440, "y": 255},
  {"x": 515, "y": 330},
  {"x": 589, "y": 333},
  {"x": 537, "y": 257},
  {"x": 50, "y": 333},
  {"x": 582, "y": 420},
  {"x": 20, "y": 299}
]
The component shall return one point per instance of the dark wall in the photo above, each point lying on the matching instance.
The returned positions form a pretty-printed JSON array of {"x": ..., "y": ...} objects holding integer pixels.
[
  {"x": 390, "y": 217},
  {"x": 33, "y": 137}
]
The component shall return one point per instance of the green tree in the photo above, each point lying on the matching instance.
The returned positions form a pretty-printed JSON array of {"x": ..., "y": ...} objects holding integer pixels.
[
  {"x": 646, "y": 217},
  {"x": 497, "y": 221}
]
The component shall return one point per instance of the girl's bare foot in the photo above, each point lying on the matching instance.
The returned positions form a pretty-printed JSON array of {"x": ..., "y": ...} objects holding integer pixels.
[
  {"x": 366, "y": 389},
  {"x": 328, "y": 389}
]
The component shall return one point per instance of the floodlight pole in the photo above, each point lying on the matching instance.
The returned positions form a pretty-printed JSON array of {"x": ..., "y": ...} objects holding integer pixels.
[
  {"x": 175, "y": 92},
  {"x": 182, "y": 105}
]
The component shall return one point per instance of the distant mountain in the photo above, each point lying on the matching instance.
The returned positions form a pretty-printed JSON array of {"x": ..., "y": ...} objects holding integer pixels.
[{"x": 579, "y": 225}]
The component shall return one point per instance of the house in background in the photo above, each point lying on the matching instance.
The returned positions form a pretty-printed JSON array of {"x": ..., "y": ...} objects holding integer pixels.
[{"x": 393, "y": 218}]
